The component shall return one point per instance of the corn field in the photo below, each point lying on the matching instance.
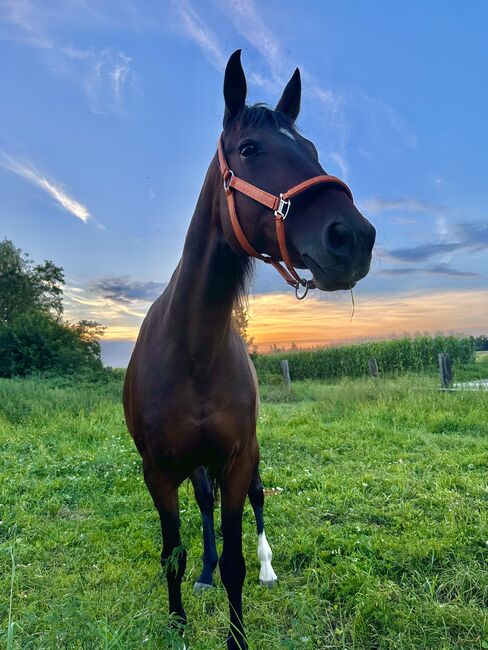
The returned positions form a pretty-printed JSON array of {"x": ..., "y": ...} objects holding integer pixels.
[{"x": 417, "y": 354}]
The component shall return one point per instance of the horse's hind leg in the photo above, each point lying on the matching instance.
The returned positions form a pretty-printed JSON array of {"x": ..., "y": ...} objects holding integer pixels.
[
  {"x": 267, "y": 576},
  {"x": 173, "y": 557},
  {"x": 202, "y": 486}
]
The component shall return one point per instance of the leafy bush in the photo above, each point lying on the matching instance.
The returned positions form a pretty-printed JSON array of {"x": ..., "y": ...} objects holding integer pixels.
[
  {"x": 36, "y": 342},
  {"x": 396, "y": 356},
  {"x": 33, "y": 336}
]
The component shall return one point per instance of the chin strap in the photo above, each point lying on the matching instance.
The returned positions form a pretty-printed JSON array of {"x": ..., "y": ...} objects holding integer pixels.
[{"x": 280, "y": 206}]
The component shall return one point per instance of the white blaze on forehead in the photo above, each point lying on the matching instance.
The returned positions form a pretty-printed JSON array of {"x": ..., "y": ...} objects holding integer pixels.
[{"x": 289, "y": 134}]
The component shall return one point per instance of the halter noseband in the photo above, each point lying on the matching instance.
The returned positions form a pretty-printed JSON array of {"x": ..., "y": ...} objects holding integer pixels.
[{"x": 280, "y": 206}]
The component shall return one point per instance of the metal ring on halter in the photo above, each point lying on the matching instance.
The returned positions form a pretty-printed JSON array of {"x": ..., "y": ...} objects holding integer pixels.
[
  {"x": 305, "y": 284},
  {"x": 228, "y": 180}
]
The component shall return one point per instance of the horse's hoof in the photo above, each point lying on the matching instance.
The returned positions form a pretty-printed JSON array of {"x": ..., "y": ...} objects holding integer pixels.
[
  {"x": 202, "y": 586},
  {"x": 269, "y": 583}
]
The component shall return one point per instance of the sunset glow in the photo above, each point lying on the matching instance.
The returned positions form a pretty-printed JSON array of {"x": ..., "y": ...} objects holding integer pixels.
[{"x": 280, "y": 319}]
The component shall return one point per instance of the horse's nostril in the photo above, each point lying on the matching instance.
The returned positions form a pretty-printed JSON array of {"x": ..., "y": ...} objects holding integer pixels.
[{"x": 340, "y": 238}]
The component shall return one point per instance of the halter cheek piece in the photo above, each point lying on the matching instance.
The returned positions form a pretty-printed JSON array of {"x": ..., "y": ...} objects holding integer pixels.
[{"x": 280, "y": 206}]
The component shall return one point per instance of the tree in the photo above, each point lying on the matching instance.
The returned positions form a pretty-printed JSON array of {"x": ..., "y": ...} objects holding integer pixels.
[
  {"x": 480, "y": 342},
  {"x": 25, "y": 286},
  {"x": 33, "y": 335},
  {"x": 240, "y": 320}
]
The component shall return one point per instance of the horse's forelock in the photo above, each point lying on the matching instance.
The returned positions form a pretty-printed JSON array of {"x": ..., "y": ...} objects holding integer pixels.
[{"x": 259, "y": 116}]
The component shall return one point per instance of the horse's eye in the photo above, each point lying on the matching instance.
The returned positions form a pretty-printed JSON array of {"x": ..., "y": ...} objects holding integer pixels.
[{"x": 247, "y": 150}]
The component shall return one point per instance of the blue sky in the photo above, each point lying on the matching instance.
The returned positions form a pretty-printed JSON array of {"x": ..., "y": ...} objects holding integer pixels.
[{"x": 111, "y": 111}]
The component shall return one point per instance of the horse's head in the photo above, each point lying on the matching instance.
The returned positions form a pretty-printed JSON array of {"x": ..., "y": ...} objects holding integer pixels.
[{"x": 324, "y": 230}]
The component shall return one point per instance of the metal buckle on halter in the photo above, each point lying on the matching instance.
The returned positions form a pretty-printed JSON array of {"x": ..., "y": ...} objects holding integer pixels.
[
  {"x": 228, "y": 180},
  {"x": 306, "y": 285},
  {"x": 283, "y": 205}
]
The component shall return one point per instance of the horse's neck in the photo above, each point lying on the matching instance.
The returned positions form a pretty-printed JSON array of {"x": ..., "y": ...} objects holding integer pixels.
[{"x": 204, "y": 285}]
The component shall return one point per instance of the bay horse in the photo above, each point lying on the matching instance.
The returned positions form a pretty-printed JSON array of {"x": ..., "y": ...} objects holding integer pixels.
[{"x": 190, "y": 392}]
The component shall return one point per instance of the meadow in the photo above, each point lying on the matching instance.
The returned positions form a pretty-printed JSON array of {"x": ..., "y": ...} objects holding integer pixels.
[{"x": 379, "y": 524}]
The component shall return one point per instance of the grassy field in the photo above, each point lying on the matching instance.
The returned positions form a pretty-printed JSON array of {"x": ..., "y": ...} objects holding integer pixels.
[{"x": 380, "y": 533}]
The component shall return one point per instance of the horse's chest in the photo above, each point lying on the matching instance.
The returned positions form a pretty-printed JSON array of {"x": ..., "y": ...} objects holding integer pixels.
[
  {"x": 208, "y": 408},
  {"x": 185, "y": 410}
]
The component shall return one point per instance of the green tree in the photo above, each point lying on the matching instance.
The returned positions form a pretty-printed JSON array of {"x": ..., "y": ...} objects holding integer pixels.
[
  {"x": 480, "y": 342},
  {"x": 33, "y": 335},
  {"x": 25, "y": 286},
  {"x": 240, "y": 319}
]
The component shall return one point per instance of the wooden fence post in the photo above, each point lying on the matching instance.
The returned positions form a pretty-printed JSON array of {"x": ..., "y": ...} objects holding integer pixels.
[
  {"x": 373, "y": 367},
  {"x": 445, "y": 370},
  {"x": 285, "y": 368}
]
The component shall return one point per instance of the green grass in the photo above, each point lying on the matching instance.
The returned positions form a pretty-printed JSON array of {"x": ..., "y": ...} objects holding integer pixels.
[{"x": 379, "y": 535}]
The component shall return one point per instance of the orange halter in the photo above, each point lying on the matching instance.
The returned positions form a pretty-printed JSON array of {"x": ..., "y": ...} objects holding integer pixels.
[{"x": 280, "y": 206}]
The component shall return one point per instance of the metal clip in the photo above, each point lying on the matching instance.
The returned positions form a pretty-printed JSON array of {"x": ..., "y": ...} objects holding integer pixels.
[
  {"x": 228, "y": 180},
  {"x": 283, "y": 205},
  {"x": 305, "y": 285}
]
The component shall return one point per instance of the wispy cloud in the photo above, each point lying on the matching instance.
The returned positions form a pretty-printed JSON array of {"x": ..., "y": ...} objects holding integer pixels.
[
  {"x": 107, "y": 77},
  {"x": 423, "y": 252},
  {"x": 103, "y": 310},
  {"x": 378, "y": 204},
  {"x": 54, "y": 189},
  {"x": 248, "y": 21},
  {"x": 332, "y": 99},
  {"x": 125, "y": 290},
  {"x": 471, "y": 235},
  {"x": 379, "y": 112},
  {"x": 250, "y": 24},
  {"x": 104, "y": 74},
  {"x": 339, "y": 112},
  {"x": 192, "y": 26},
  {"x": 438, "y": 269},
  {"x": 119, "y": 74},
  {"x": 120, "y": 303},
  {"x": 341, "y": 162}
]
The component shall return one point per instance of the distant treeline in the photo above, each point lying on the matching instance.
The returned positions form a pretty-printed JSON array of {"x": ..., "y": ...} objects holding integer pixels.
[
  {"x": 480, "y": 342},
  {"x": 396, "y": 356}
]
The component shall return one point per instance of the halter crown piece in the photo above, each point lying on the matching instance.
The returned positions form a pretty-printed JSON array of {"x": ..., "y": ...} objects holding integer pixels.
[{"x": 280, "y": 206}]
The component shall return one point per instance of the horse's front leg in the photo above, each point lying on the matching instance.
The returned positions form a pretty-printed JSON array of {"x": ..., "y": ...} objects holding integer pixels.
[
  {"x": 202, "y": 486},
  {"x": 173, "y": 557},
  {"x": 234, "y": 489},
  {"x": 267, "y": 576}
]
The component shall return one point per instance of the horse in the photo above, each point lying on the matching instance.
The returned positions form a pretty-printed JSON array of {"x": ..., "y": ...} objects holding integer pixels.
[{"x": 190, "y": 392}]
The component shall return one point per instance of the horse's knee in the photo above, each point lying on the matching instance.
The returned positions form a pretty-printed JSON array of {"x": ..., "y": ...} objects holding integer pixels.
[
  {"x": 232, "y": 570},
  {"x": 256, "y": 493},
  {"x": 173, "y": 562}
]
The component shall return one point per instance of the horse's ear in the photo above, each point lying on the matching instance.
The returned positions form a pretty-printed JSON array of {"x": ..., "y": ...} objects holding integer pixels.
[
  {"x": 290, "y": 99},
  {"x": 235, "y": 87}
]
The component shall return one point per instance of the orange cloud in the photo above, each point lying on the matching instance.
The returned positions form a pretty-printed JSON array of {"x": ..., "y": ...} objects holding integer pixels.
[
  {"x": 121, "y": 333},
  {"x": 321, "y": 319}
]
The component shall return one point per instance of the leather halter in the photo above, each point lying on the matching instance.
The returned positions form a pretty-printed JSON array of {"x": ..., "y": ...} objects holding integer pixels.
[{"x": 280, "y": 206}]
